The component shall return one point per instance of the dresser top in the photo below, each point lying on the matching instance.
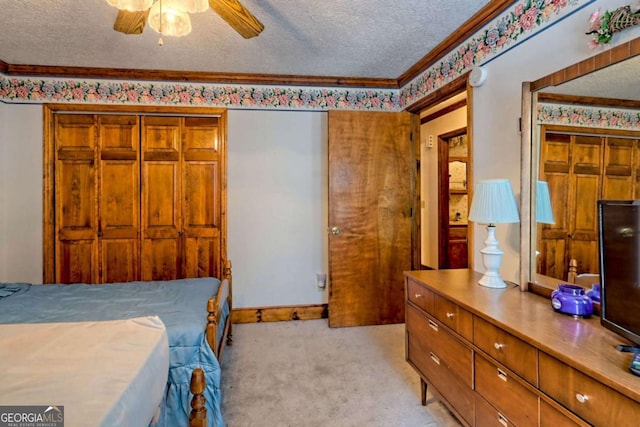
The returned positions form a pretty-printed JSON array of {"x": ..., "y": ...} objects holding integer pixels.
[{"x": 581, "y": 343}]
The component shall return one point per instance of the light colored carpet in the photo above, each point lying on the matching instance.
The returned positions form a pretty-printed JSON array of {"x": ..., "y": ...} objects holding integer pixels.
[{"x": 305, "y": 374}]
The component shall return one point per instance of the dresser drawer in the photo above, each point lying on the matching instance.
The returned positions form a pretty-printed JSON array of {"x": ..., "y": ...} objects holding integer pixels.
[
  {"x": 454, "y": 316},
  {"x": 512, "y": 352},
  {"x": 457, "y": 394},
  {"x": 420, "y": 296},
  {"x": 499, "y": 387},
  {"x": 591, "y": 400},
  {"x": 430, "y": 336},
  {"x": 488, "y": 416},
  {"x": 553, "y": 417}
]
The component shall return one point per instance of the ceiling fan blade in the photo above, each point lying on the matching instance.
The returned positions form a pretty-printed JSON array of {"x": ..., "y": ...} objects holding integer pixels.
[
  {"x": 238, "y": 17},
  {"x": 130, "y": 22}
]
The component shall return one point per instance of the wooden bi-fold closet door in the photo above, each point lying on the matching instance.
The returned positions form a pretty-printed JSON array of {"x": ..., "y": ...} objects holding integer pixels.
[
  {"x": 582, "y": 166},
  {"x": 135, "y": 197},
  {"x": 181, "y": 213}
]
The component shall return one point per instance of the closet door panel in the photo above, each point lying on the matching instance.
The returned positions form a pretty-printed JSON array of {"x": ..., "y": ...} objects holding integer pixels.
[
  {"x": 119, "y": 199},
  {"x": 556, "y": 168},
  {"x": 201, "y": 204},
  {"x": 202, "y": 255},
  {"x": 76, "y": 261},
  {"x": 619, "y": 177},
  {"x": 161, "y": 213},
  {"x": 76, "y": 200},
  {"x": 161, "y": 259},
  {"x": 119, "y": 260}
]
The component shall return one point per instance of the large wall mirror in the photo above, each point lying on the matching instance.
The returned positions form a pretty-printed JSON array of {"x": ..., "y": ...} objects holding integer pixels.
[{"x": 575, "y": 142}]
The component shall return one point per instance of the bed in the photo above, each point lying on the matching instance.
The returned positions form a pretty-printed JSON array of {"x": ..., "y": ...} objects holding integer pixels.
[
  {"x": 195, "y": 312},
  {"x": 56, "y": 365}
]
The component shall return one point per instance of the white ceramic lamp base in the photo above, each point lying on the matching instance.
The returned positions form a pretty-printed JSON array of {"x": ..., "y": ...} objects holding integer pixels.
[{"x": 492, "y": 259}]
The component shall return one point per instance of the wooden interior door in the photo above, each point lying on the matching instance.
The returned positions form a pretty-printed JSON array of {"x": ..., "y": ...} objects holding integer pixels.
[
  {"x": 201, "y": 175},
  {"x": 453, "y": 199},
  {"x": 161, "y": 198},
  {"x": 76, "y": 224},
  {"x": 371, "y": 186},
  {"x": 119, "y": 198}
]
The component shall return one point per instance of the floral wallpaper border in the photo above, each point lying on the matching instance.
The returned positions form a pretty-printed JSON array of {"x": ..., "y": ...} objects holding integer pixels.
[
  {"x": 586, "y": 116},
  {"x": 23, "y": 90},
  {"x": 525, "y": 18}
]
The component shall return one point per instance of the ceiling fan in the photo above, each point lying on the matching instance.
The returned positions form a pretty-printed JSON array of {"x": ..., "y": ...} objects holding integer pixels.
[{"x": 232, "y": 11}]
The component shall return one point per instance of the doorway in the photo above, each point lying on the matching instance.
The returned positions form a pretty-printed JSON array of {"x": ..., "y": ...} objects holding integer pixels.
[
  {"x": 453, "y": 199},
  {"x": 446, "y": 236}
]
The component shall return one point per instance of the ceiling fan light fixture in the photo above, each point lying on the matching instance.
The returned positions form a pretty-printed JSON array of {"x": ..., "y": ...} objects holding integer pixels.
[
  {"x": 169, "y": 20},
  {"x": 131, "y": 5},
  {"x": 195, "y": 6}
]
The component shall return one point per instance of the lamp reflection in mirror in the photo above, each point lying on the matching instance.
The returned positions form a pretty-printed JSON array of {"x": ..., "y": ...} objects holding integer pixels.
[
  {"x": 544, "y": 212},
  {"x": 493, "y": 203}
]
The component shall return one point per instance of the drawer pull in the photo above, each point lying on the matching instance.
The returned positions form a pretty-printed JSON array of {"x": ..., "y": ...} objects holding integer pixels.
[
  {"x": 433, "y": 325},
  {"x": 502, "y": 375},
  {"x": 581, "y": 398},
  {"x": 498, "y": 346},
  {"x": 418, "y": 296},
  {"x": 450, "y": 315},
  {"x": 434, "y": 358},
  {"x": 503, "y": 420}
]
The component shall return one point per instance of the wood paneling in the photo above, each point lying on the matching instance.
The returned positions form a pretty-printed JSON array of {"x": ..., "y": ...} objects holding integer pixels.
[
  {"x": 76, "y": 247},
  {"x": 133, "y": 197},
  {"x": 201, "y": 208},
  {"x": 581, "y": 167},
  {"x": 119, "y": 195},
  {"x": 371, "y": 202},
  {"x": 161, "y": 197}
]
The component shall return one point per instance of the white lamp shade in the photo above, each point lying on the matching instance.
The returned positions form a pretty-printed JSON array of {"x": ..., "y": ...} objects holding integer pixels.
[
  {"x": 494, "y": 203},
  {"x": 131, "y": 5},
  {"x": 169, "y": 18},
  {"x": 544, "y": 212}
]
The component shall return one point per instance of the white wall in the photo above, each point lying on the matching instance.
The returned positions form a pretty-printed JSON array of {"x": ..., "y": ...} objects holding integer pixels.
[
  {"x": 277, "y": 202},
  {"x": 429, "y": 182},
  {"x": 277, "y": 206},
  {"x": 276, "y": 223},
  {"x": 21, "y": 193},
  {"x": 496, "y": 109}
]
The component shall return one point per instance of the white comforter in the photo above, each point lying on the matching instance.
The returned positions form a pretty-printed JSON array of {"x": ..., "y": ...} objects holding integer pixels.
[{"x": 105, "y": 373}]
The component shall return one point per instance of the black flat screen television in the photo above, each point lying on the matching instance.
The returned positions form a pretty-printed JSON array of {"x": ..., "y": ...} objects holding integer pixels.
[{"x": 619, "y": 250}]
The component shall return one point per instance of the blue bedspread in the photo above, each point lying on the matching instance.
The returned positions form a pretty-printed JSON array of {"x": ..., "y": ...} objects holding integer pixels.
[{"x": 180, "y": 304}]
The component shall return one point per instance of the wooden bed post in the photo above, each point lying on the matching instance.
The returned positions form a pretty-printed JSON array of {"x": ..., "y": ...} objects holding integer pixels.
[
  {"x": 215, "y": 307},
  {"x": 227, "y": 275},
  {"x": 198, "y": 416}
]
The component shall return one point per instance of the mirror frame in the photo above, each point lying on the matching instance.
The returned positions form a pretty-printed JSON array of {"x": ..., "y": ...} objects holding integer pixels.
[{"x": 529, "y": 279}]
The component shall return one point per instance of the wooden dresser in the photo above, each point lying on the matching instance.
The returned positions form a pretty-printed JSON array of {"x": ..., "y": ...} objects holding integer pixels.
[{"x": 502, "y": 357}]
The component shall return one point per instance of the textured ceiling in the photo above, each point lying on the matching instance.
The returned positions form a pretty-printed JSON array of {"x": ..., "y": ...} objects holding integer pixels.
[
  {"x": 617, "y": 81},
  {"x": 350, "y": 38}
]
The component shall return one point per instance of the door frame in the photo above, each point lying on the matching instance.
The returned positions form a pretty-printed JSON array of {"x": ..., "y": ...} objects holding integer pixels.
[{"x": 451, "y": 89}]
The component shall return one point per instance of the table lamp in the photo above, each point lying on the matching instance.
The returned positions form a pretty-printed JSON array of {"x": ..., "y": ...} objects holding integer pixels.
[
  {"x": 493, "y": 203},
  {"x": 544, "y": 213}
]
